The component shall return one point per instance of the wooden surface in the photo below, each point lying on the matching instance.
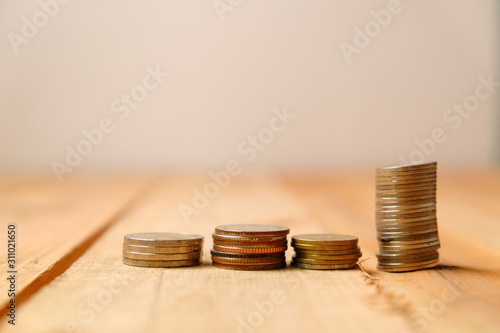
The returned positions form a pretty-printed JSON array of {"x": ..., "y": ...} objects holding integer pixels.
[{"x": 71, "y": 278}]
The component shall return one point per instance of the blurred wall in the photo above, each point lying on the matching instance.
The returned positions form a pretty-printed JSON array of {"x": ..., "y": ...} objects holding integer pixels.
[{"x": 363, "y": 83}]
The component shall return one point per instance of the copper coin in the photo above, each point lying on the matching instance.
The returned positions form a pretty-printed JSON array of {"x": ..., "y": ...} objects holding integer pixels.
[
  {"x": 323, "y": 262},
  {"x": 249, "y": 250},
  {"x": 250, "y": 267},
  {"x": 332, "y": 257},
  {"x": 249, "y": 239},
  {"x": 327, "y": 253},
  {"x": 251, "y": 245},
  {"x": 239, "y": 261},
  {"x": 323, "y": 247},
  {"x": 247, "y": 255}
]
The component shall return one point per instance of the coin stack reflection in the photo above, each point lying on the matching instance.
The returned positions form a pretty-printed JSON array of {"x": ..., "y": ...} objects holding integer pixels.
[
  {"x": 161, "y": 249},
  {"x": 325, "y": 251},
  {"x": 406, "y": 217},
  {"x": 249, "y": 247}
]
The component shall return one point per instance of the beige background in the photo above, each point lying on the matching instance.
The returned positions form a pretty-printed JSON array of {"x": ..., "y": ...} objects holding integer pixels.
[{"x": 227, "y": 76}]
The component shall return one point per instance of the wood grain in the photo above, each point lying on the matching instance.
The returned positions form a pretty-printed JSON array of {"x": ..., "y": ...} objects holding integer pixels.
[{"x": 100, "y": 294}]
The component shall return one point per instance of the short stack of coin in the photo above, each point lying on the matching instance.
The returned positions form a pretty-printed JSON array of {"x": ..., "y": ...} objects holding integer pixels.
[
  {"x": 250, "y": 247},
  {"x": 406, "y": 217},
  {"x": 162, "y": 249},
  {"x": 325, "y": 251}
]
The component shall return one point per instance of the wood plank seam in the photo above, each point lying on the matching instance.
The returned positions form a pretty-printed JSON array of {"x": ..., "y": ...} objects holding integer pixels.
[{"x": 64, "y": 263}]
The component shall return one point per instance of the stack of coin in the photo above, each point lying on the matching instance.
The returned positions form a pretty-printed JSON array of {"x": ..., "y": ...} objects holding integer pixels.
[
  {"x": 162, "y": 249},
  {"x": 250, "y": 247},
  {"x": 406, "y": 217},
  {"x": 325, "y": 251}
]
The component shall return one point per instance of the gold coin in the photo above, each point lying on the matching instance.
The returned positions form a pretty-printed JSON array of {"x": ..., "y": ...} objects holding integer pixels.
[
  {"x": 327, "y": 253},
  {"x": 432, "y": 174},
  {"x": 163, "y": 239},
  {"x": 247, "y": 255},
  {"x": 247, "y": 239},
  {"x": 252, "y": 230},
  {"x": 325, "y": 239},
  {"x": 405, "y": 206},
  {"x": 155, "y": 256},
  {"x": 249, "y": 250},
  {"x": 323, "y": 262},
  {"x": 161, "y": 263},
  {"x": 161, "y": 249},
  {"x": 250, "y": 267},
  {"x": 405, "y": 203},
  {"x": 322, "y": 267},
  {"x": 251, "y": 245},
  {"x": 406, "y": 181},
  {"x": 239, "y": 261},
  {"x": 330, "y": 257},
  {"x": 323, "y": 247},
  {"x": 397, "y": 199}
]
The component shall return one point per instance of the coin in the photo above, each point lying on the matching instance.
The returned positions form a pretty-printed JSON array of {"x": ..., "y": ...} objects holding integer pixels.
[
  {"x": 154, "y": 256},
  {"x": 251, "y": 245},
  {"x": 410, "y": 167},
  {"x": 391, "y": 220},
  {"x": 247, "y": 255},
  {"x": 161, "y": 249},
  {"x": 252, "y": 230},
  {"x": 239, "y": 261},
  {"x": 409, "y": 242},
  {"x": 428, "y": 262},
  {"x": 322, "y": 247},
  {"x": 326, "y": 253},
  {"x": 323, "y": 262},
  {"x": 161, "y": 263},
  {"x": 325, "y": 239},
  {"x": 329, "y": 257},
  {"x": 322, "y": 267},
  {"x": 245, "y": 239},
  {"x": 402, "y": 250},
  {"x": 384, "y": 237},
  {"x": 163, "y": 239},
  {"x": 403, "y": 181},
  {"x": 405, "y": 259},
  {"x": 406, "y": 269},
  {"x": 250, "y": 267},
  {"x": 407, "y": 246},
  {"x": 248, "y": 249}
]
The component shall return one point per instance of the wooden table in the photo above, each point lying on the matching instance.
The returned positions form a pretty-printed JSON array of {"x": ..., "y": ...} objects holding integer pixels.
[{"x": 70, "y": 276}]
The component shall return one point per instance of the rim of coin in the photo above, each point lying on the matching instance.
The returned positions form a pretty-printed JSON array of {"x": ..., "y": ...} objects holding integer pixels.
[
  {"x": 410, "y": 232},
  {"x": 247, "y": 239},
  {"x": 405, "y": 177},
  {"x": 322, "y": 247},
  {"x": 405, "y": 195},
  {"x": 322, "y": 267},
  {"x": 432, "y": 217},
  {"x": 406, "y": 255},
  {"x": 163, "y": 239},
  {"x": 410, "y": 251},
  {"x": 428, "y": 262},
  {"x": 405, "y": 216},
  {"x": 239, "y": 261},
  {"x": 161, "y": 249},
  {"x": 409, "y": 242},
  {"x": 251, "y": 245},
  {"x": 408, "y": 191},
  {"x": 160, "y": 256},
  {"x": 386, "y": 206},
  {"x": 252, "y": 230},
  {"x": 161, "y": 263},
  {"x": 405, "y": 211},
  {"x": 397, "y": 180},
  {"x": 408, "y": 166},
  {"x": 405, "y": 227},
  {"x": 247, "y": 255},
  {"x": 250, "y": 267},
  {"x": 409, "y": 259},
  {"x": 385, "y": 247},
  {"x": 389, "y": 238},
  {"x": 325, "y": 239},
  {"x": 407, "y": 186},
  {"x": 398, "y": 200},
  {"x": 406, "y": 269},
  {"x": 327, "y": 253},
  {"x": 249, "y": 250},
  {"x": 406, "y": 173},
  {"x": 329, "y": 257},
  {"x": 324, "y": 262}
]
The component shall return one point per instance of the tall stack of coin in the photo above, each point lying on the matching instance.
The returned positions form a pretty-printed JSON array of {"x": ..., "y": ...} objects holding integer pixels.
[
  {"x": 406, "y": 217},
  {"x": 250, "y": 246},
  {"x": 162, "y": 249},
  {"x": 325, "y": 251}
]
